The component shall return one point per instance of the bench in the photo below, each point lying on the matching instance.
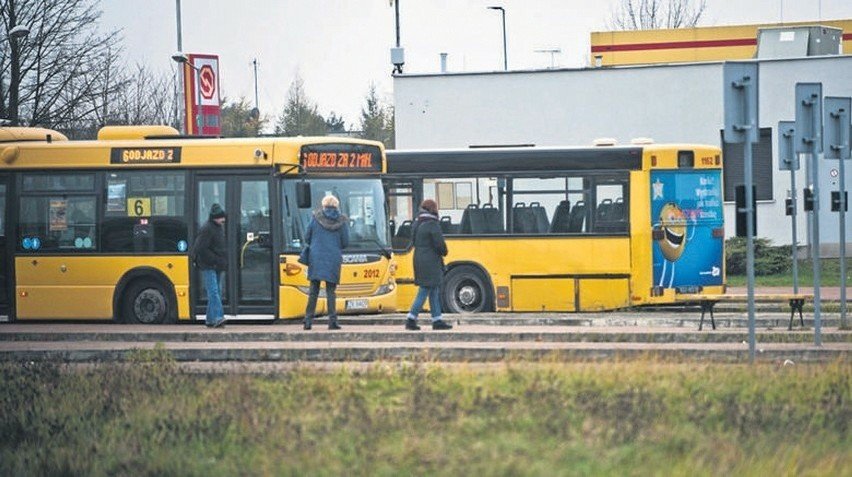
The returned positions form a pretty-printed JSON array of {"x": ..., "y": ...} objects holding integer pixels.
[{"x": 707, "y": 302}]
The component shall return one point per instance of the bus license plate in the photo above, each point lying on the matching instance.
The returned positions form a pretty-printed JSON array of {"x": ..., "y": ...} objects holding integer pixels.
[{"x": 356, "y": 304}]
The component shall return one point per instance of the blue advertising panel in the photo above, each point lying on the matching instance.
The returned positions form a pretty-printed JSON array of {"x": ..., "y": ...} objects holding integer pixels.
[{"x": 685, "y": 209}]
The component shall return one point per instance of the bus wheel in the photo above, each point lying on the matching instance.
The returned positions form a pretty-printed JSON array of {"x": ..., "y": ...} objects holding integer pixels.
[
  {"x": 466, "y": 291},
  {"x": 146, "y": 302}
]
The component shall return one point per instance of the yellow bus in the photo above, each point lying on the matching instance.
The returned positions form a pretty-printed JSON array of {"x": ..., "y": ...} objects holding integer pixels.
[
  {"x": 564, "y": 229},
  {"x": 101, "y": 229}
]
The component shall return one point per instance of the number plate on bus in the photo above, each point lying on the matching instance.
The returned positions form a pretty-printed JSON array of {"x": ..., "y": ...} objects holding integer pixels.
[{"x": 356, "y": 304}]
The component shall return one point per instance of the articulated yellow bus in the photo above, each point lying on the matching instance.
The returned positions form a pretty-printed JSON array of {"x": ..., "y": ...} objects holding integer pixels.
[
  {"x": 564, "y": 229},
  {"x": 101, "y": 229}
]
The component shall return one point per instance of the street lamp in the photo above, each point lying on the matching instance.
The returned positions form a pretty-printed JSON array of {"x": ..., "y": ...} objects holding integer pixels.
[
  {"x": 15, "y": 33},
  {"x": 503, "y": 13},
  {"x": 182, "y": 59}
]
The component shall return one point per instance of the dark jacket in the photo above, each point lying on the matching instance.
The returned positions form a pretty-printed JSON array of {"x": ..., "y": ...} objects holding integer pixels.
[
  {"x": 429, "y": 250},
  {"x": 209, "y": 249},
  {"x": 327, "y": 235}
]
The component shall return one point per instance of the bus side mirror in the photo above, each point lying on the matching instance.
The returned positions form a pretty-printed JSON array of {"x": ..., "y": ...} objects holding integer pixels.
[{"x": 303, "y": 195}]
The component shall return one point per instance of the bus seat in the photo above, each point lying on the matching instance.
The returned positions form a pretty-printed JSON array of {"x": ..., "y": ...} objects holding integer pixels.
[
  {"x": 492, "y": 222},
  {"x": 447, "y": 225},
  {"x": 604, "y": 210},
  {"x": 618, "y": 209},
  {"x": 403, "y": 235},
  {"x": 577, "y": 217},
  {"x": 542, "y": 225},
  {"x": 560, "y": 218},
  {"x": 466, "y": 227},
  {"x": 618, "y": 215},
  {"x": 523, "y": 220}
]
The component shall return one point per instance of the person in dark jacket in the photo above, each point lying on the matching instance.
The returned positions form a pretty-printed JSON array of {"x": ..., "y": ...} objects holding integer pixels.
[
  {"x": 212, "y": 259},
  {"x": 429, "y": 252},
  {"x": 326, "y": 237}
]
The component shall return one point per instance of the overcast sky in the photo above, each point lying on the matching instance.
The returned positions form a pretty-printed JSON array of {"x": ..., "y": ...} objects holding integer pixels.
[{"x": 339, "y": 47}]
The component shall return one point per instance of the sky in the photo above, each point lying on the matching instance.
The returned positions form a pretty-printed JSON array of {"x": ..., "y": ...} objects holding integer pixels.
[{"x": 340, "y": 47}]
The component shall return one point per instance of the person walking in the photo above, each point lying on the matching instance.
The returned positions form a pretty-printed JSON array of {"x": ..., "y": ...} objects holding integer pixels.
[
  {"x": 326, "y": 237},
  {"x": 429, "y": 252},
  {"x": 211, "y": 257}
]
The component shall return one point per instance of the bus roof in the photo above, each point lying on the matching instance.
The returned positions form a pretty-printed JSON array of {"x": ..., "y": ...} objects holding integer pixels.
[
  {"x": 27, "y": 148},
  {"x": 526, "y": 159}
]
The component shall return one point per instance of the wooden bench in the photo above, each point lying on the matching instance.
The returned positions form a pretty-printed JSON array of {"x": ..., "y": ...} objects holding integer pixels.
[{"x": 707, "y": 302}]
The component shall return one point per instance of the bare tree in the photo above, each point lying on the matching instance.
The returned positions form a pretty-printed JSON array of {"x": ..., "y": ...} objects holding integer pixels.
[
  {"x": 56, "y": 71},
  {"x": 655, "y": 14}
]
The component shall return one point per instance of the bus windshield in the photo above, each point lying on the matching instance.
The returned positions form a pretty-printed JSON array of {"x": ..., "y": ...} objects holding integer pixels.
[{"x": 362, "y": 200}]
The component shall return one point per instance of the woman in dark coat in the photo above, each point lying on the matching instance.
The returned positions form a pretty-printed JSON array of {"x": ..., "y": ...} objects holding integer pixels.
[
  {"x": 429, "y": 252},
  {"x": 327, "y": 236}
]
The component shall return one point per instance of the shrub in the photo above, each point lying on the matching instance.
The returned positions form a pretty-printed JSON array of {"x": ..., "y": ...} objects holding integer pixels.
[{"x": 768, "y": 259}]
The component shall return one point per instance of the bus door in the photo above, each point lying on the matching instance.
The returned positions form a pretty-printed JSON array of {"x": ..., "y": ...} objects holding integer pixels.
[
  {"x": 247, "y": 287},
  {"x": 5, "y": 261}
]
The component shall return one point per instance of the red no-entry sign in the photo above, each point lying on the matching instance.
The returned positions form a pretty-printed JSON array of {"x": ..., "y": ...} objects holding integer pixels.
[{"x": 207, "y": 82}]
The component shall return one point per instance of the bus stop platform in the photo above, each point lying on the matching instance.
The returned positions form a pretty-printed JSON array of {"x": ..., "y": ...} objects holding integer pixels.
[{"x": 485, "y": 338}]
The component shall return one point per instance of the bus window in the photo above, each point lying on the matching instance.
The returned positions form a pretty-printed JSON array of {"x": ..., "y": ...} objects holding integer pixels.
[
  {"x": 467, "y": 205},
  {"x": 64, "y": 221},
  {"x": 610, "y": 209},
  {"x": 145, "y": 211},
  {"x": 362, "y": 200}
]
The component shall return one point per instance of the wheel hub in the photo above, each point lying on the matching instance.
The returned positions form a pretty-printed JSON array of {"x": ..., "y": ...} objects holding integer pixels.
[
  {"x": 149, "y": 306},
  {"x": 468, "y": 295}
]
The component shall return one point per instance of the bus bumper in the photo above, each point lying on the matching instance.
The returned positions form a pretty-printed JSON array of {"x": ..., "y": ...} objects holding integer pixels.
[{"x": 294, "y": 301}]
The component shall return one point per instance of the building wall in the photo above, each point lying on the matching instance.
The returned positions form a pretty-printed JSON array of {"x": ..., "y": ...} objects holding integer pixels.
[
  {"x": 738, "y": 42},
  {"x": 669, "y": 103}
]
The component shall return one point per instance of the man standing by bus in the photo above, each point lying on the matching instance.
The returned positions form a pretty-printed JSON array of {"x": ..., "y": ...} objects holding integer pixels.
[{"x": 211, "y": 258}]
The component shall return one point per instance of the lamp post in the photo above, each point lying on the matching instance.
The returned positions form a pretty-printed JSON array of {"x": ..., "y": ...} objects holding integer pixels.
[
  {"x": 182, "y": 59},
  {"x": 503, "y": 13},
  {"x": 16, "y": 32}
]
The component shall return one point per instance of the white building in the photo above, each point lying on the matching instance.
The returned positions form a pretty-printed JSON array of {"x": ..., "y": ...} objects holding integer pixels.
[{"x": 669, "y": 103}]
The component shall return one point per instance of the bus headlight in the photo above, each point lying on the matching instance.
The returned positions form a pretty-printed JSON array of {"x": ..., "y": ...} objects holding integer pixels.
[{"x": 386, "y": 288}]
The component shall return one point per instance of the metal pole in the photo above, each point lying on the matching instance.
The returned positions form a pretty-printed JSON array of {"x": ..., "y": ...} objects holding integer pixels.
[
  {"x": 749, "y": 198},
  {"x": 179, "y": 34},
  {"x": 815, "y": 240},
  {"x": 795, "y": 239},
  {"x": 255, "y": 85},
  {"x": 843, "y": 237},
  {"x": 180, "y": 104},
  {"x": 396, "y": 13},
  {"x": 505, "y": 59},
  {"x": 198, "y": 115}
]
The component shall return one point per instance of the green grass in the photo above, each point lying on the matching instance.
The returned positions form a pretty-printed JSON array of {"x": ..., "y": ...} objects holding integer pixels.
[
  {"x": 637, "y": 418},
  {"x": 829, "y": 276}
]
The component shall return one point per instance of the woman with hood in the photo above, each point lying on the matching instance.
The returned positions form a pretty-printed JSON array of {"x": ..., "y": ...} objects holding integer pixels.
[
  {"x": 429, "y": 252},
  {"x": 326, "y": 237}
]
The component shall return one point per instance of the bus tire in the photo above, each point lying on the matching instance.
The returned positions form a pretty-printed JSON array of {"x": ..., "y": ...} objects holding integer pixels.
[
  {"x": 147, "y": 302},
  {"x": 466, "y": 290}
]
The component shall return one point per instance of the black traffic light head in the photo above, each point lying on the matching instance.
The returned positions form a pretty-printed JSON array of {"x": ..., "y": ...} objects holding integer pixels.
[{"x": 808, "y": 199}]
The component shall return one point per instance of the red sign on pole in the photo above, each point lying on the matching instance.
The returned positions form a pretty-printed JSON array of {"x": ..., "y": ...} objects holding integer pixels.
[{"x": 201, "y": 95}]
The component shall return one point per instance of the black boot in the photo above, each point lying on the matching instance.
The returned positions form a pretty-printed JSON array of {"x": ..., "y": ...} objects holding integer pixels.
[
  {"x": 441, "y": 325},
  {"x": 332, "y": 323},
  {"x": 411, "y": 325},
  {"x": 307, "y": 325}
]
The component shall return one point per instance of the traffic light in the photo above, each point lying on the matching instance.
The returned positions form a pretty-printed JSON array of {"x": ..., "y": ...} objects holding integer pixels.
[
  {"x": 741, "y": 212},
  {"x": 808, "y": 199},
  {"x": 788, "y": 206},
  {"x": 835, "y": 201}
]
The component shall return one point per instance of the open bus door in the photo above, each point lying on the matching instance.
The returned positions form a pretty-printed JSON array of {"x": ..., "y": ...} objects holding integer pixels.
[
  {"x": 5, "y": 262},
  {"x": 247, "y": 288}
]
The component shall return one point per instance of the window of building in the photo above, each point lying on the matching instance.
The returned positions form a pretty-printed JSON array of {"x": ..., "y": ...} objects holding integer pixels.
[{"x": 762, "y": 166}]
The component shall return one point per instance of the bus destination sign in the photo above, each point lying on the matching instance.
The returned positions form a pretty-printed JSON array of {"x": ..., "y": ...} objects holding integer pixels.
[
  {"x": 341, "y": 158},
  {"x": 144, "y": 155}
]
